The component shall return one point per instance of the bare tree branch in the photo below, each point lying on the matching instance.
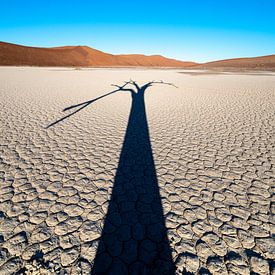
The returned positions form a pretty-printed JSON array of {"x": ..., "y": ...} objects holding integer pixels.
[
  {"x": 119, "y": 88},
  {"x": 162, "y": 82},
  {"x": 135, "y": 84},
  {"x": 89, "y": 101}
]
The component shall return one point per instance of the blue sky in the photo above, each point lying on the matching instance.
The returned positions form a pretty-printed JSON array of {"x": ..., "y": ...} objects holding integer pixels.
[{"x": 197, "y": 30}]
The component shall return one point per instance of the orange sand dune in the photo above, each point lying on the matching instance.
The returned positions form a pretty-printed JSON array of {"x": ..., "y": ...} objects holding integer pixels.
[
  {"x": 262, "y": 63},
  {"x": 12, "y": 54},
  {"x": 17, "y": 55}
]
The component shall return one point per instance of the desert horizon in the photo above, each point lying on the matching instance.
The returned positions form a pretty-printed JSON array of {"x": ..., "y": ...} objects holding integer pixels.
[{"x": 85, "y": 56}]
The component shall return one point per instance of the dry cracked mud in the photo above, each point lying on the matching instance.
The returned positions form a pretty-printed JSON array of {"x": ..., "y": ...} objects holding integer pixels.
[{"x": 183, "y": 188}]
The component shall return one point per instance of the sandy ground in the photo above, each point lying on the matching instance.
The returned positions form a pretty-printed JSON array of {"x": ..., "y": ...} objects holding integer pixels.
[{"x": 212, "y": 141}]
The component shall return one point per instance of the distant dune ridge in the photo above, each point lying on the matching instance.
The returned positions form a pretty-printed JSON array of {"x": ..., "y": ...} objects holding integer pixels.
[
  {"x": 83, "y": 56},
  {"x": 12, "y": 54},
  {"x": 261, "y": 63}
]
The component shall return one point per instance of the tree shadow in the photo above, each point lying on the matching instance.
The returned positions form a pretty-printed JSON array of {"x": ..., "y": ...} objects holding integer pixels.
[{"x": 134, "y": 236}]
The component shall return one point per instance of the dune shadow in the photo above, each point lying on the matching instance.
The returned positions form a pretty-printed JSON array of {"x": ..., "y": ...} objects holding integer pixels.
[{"x": 134, "y": 236}]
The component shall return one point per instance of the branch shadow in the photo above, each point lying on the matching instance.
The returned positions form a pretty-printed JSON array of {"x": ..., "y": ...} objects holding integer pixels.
[
  {"x": 134, "y": 236},
  {"x": 81, "y": 106}
]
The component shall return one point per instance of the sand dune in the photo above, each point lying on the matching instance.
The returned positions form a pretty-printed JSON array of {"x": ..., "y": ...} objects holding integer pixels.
[
  {"x": 83, "y": 56},
  {"x": 181, "y": 177},
  {"x": 259, "y": 63},
  {"x": 12, "y": 54}
]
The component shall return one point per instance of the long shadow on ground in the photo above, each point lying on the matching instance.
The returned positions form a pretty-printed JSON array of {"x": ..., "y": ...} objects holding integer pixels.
[{"x": 134, "y": 237}]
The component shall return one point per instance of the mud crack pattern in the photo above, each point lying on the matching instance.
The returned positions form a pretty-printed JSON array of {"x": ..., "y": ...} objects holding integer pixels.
[{"x": 213, "y": 147}]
